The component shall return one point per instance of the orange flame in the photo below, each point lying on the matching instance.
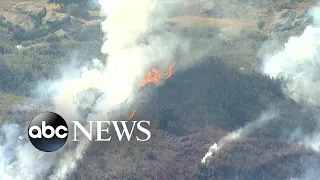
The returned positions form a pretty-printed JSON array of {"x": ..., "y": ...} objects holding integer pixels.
[
  {"x": 149, "y": 79},
  {"x": 156, "y": 77},
  {"x": 132, "y": 114},
  {"x": 170, "y": 72}
]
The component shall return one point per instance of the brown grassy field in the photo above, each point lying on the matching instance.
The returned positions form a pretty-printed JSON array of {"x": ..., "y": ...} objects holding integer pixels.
[
  {"x": 11, "y": 3},
  {"x": 227, "y": 25}
]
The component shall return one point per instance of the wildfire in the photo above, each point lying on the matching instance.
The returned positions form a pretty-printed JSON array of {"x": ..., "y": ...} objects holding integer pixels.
[
  {"x": 132, "y": 114},
  {"x": 170, "y": 72},
  {"x": 155, "y": 76}
]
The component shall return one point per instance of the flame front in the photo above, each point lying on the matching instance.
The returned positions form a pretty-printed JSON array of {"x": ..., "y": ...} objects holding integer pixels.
[
  {"x": 170, "y": 72},
  {"x": 132, "y": 114},
  {"x": 155, "y": 77}
]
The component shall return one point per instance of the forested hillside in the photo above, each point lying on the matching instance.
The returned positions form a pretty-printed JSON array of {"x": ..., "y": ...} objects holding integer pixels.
[{"x": 221, "y": 89}]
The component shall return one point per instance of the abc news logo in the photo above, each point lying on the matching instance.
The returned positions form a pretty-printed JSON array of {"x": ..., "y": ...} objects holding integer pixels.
[{"x": 48, "y": 131}]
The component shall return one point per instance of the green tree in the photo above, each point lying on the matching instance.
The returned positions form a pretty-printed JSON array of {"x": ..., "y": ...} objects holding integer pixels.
[
  {"x": 260, "y": 24},
  {"x": 82, "y": 3},
  {"x": 78, "y": 11}
]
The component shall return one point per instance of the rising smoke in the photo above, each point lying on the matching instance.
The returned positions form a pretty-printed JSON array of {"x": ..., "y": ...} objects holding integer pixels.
[
  {"x": 264, "y": 118},
  {"x": 297, "y": 63},
  {"x": 132, "y": 49}
]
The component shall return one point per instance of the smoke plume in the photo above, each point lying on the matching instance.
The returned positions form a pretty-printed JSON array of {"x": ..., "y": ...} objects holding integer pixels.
[
  {"x": 131, "y": 49},
  {"x": 264, "y": 118},
  {"x": 297, "y": 63}
]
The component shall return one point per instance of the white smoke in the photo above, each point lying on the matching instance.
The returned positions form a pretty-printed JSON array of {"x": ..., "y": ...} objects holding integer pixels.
[
  {"x": 217, "y": 146},
  {"x": 127, "y": 23},
  {"x": 264, "y": 118},
  {"x": 297, "y": 62},
  {"x": 130, "y": 50},
  {"x": 18, "y": 160}
]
